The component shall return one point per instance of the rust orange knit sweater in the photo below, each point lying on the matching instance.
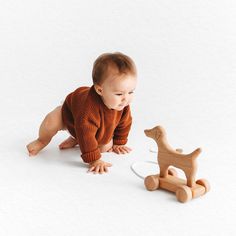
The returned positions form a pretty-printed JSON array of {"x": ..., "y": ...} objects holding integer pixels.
[{"x": 92, "y": 124}]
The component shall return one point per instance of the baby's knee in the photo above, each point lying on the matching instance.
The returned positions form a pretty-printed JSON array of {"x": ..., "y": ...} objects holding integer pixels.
[{"x": 106, "y": 147}]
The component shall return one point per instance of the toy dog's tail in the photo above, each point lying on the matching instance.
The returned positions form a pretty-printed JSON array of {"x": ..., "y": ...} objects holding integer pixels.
[{"x": 195, "y": 153}]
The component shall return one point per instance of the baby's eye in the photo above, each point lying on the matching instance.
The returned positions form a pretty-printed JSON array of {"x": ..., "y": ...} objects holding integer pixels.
[
  {"x": 119, "y": 94},
  {"x": 131, "y": 92}
]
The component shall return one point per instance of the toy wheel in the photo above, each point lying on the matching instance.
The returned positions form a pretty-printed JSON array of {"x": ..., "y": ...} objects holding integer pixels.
[
  {"x": 172, "y": 172},
  {"x": 151, "y": 182},
  {"x": 183, "y": 194},
  {"x": 205, "y": 184}
]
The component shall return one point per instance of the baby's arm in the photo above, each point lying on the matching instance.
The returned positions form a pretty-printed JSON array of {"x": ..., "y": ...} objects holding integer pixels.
[
  {"x": 121, "y": 133},
  {"x": 91, "y": 152}
]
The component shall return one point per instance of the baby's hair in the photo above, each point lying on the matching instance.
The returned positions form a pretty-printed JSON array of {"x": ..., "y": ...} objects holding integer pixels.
[{"x": 107, "y": 61}]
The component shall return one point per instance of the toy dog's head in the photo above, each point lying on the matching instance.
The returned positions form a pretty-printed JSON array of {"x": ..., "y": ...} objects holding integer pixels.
[{"x": 155, "y": 133}]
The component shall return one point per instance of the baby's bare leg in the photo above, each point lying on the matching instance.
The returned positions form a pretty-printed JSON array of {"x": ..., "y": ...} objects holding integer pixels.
[
  {"x": 106, "y": 147},
  {"x": 49, "y": 127}
]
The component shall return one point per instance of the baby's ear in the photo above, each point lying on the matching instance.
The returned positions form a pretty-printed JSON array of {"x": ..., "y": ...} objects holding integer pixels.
[{"x": 98, "y": 89}]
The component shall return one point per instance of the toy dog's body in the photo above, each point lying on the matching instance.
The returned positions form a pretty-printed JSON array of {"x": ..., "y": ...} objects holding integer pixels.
[
  {"x": 168, "y": 179},
  {"x": 167, "y": 156}
]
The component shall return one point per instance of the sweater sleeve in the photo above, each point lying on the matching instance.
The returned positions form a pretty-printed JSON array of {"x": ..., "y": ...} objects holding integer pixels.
[
  {"x": 122, "y": 130},
  {"x": 86, "y": 137}
]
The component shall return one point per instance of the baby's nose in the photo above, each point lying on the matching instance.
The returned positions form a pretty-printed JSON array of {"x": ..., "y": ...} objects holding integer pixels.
[{"x": 124, "y": 98}]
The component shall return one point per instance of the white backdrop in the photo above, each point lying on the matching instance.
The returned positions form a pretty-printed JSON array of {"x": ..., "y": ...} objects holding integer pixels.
[{"x": 185, "y": 53}]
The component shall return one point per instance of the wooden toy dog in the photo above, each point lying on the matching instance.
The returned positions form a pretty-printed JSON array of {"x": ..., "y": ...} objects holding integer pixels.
[{"x": 167, "y": 179}]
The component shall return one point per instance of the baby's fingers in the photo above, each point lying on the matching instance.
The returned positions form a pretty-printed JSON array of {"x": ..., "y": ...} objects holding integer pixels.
[
  {"x": 127, "y": 149},
  {"x": 108, "y": 164},
  {"x": 97, "y": 169},
  {"x": 105, "y": 169},
  {"x": 121, "y": 150},
  {"x": 91, "y": 169},
  {"x": 100, "y": 168},
  {"x": 117, "y": 150}
]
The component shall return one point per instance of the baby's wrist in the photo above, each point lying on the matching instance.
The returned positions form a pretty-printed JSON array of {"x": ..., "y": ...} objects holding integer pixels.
[{"x": 95, "y": 162}]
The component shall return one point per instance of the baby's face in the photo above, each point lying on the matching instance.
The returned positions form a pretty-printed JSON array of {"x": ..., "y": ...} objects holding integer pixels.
[{"x": 117, "y": 91}]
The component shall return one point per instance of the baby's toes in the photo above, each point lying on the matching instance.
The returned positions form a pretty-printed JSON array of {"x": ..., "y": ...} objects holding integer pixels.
[
  {"x": 32, "y": 153},
  {"x": 31, "y": 150}
]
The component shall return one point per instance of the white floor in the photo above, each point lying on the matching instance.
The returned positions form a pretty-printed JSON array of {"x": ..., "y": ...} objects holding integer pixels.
[{"x": 185, "y": 54}]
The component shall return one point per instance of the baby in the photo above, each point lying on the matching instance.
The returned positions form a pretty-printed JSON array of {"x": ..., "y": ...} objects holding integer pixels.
[{"x": 97, "y": 117}]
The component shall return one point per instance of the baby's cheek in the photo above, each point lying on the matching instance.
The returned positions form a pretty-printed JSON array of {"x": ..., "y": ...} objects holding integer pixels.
[{"x": 116, "y": 101}]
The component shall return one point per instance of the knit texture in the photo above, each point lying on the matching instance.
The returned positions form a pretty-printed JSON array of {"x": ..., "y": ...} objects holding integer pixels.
[{"x": 92, "y": 124}]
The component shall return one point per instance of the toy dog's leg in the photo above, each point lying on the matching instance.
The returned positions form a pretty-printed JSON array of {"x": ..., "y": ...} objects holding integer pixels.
[
  {"x": 163, "y": 170},
  {"x": 190, "y": 176}
]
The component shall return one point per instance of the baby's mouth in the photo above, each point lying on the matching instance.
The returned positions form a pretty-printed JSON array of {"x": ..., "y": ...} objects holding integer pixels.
[{"x": 122, "y": 105}]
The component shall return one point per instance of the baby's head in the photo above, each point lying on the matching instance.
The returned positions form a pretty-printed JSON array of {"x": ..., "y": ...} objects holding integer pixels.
[{"x": 115, "y": 78}]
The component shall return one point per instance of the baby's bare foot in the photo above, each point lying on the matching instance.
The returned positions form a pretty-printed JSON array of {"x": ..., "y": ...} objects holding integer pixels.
[
  {"x": 68, "y": 143},
  {"x": 35, "y": 146}
]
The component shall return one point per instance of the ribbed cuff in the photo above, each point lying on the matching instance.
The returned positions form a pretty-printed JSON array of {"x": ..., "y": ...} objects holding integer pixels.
[
  {"x": 91, "y": 156},
  {"x": 119, "y": 141}
]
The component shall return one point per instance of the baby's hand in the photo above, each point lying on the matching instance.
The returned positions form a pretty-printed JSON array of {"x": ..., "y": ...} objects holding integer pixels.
[
  {"x": 99, "y": 166},
  {"x": 121, "y": 149}
]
